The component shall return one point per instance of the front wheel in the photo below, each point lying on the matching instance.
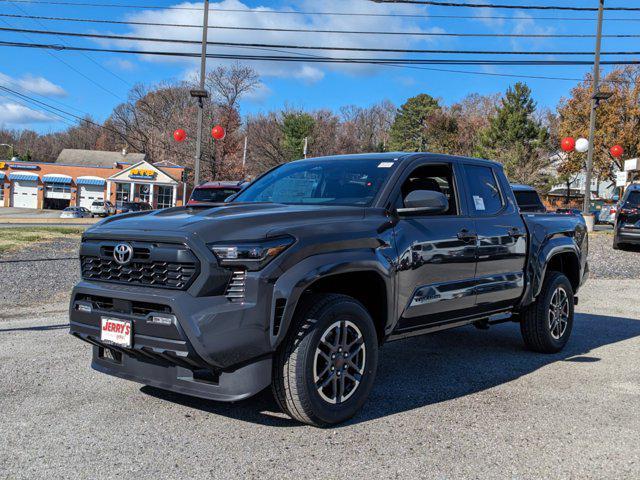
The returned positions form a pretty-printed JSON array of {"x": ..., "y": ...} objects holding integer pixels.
[
  {"x": 326, "y": 367},
  {"x": 546, "y": 324}
]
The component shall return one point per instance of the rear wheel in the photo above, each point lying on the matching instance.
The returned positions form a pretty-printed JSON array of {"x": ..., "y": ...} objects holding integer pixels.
[
  {"x": 326, "y": 367},
  {"x": 546, "y": 324}
]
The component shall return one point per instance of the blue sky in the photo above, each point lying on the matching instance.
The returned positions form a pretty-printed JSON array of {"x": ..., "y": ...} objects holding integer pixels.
[{"x": 94, "y": 83}]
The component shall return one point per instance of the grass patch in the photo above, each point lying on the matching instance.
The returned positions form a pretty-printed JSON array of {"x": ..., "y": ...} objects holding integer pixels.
[{"x": 12, "y": 239}]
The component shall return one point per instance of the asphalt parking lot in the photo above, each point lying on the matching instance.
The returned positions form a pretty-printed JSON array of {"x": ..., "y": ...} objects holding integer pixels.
[{"x": 462, "y": 403}]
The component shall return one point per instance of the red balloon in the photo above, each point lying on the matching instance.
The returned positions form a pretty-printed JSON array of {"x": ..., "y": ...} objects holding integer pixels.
[
  {"x": 218, "y": 132},
  {"x": 617, "y": 151},
  {"x": 179, "y": 135},
  {"x": 568, "y": 144}
]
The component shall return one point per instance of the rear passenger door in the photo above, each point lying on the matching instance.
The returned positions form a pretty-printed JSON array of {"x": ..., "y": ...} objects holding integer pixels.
[{"x": 502, "y": 237}]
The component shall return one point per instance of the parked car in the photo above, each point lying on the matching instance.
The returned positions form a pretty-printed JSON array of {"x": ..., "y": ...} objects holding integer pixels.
[
  {"x": 102, "y": 208},
  {"x": 75, "y": 212},
  {"x": 215, "y": 192},
  {"x": 627, "y": 227},
  {"x": 528, "y": 199},
  {"x": 301, "y": 278},
  {"x": 133, "y": 207},
  {"x": 607, "y": 215}
]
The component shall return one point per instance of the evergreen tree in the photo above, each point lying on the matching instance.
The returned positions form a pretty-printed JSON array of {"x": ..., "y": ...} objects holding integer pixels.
[
  {"x": 410, "y": 131},
  {"x": 516, "y": 138},
  {"x": 295, "y": 127}
]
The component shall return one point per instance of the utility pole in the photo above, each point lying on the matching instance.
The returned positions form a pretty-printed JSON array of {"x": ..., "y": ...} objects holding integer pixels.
[
  {"x": 594, "y": 105},
  {"x": 202, "y": 93},
  {"x": 244, "y": 153}
]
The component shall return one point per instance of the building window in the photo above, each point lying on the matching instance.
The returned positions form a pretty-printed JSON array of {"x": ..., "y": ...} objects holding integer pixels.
[
  {"x": 2, "y": 194},
  {"x": 123, "y": 190},
  {"x": 165, "y": 197},
  {"x": 143, "y": 193}
]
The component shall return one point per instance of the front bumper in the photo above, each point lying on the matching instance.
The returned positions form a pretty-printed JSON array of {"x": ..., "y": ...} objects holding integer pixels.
[
  {"x": 225, "y": 387},
  {"x": 213, "y": 348}
]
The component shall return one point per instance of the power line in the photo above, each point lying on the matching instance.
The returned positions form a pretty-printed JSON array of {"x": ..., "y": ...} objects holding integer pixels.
[
  {"x": 295, "y": 12},
  {"x": 102, "y": 67},
  {"x": 505, "y": 7},
  {"x": 71, "y": 67},
  {"x": 309, "y": 47},
  {"x": 347, "y": 60},
  {"x": 78, "y": 119},
  {"x": 316, "y": 30}
]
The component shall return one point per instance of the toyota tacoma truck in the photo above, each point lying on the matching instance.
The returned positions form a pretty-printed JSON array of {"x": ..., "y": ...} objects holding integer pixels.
[{"x": 298, "y": 280}]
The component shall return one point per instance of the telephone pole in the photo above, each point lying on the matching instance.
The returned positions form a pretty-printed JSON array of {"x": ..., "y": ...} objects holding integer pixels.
[
  {"x": 201, "y": 94},
  {"x": 595, "y": 99}
]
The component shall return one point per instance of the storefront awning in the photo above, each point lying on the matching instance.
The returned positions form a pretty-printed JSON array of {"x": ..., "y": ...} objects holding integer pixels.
[
  {"x": 23, "y": 176},
  {"x": 90, "y": 181},
  {"x": 57, "y": 178}
]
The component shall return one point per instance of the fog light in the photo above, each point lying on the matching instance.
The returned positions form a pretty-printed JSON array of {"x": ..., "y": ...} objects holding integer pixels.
[
  {"x": 161, "y": 320},
  {"x": 84, "y": 307}
]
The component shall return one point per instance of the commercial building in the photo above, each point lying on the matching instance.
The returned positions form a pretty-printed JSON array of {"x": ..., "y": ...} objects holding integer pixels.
[{"x": 80, "y": 177}]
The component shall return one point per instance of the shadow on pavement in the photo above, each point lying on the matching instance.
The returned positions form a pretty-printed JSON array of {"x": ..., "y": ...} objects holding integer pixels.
[
  {"x": 42, "y": 328},
  {"x": 435, "y": 368}
]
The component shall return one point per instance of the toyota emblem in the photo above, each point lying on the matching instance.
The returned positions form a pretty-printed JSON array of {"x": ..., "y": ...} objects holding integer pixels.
[{"x": 123, "y": 253}]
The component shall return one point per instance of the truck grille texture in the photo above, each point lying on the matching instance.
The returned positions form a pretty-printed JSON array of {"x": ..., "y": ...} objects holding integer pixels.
[{"x": 154, "y": 265}]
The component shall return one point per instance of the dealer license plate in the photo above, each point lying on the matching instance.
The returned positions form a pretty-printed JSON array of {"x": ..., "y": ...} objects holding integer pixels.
[{"x": 116, "y": 331}]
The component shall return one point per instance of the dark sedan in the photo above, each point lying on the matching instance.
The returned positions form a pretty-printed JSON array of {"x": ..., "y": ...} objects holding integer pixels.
[{"x": 627, "y": 227}]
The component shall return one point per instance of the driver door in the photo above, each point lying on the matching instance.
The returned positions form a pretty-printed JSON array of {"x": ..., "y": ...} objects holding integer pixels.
[{"x": 436, "y": 253}]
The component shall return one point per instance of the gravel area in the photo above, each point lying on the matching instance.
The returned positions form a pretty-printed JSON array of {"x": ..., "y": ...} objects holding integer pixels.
[
  {"x": 458, "y": 404},
  {"x": 38, "y": 286},
  {"x": 605, "y": 262}
]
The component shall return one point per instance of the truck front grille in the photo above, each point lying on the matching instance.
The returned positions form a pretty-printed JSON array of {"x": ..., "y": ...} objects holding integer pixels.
[{"x": 153, "y": 265}]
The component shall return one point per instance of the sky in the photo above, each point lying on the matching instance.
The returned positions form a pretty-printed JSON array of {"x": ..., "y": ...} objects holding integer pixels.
[{"x": 94, "y": 83}]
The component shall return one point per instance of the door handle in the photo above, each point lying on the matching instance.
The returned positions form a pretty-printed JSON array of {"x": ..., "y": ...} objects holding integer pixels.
[
  {"x": 467, "y": 236},
  {"x": 515, "y": 232}
]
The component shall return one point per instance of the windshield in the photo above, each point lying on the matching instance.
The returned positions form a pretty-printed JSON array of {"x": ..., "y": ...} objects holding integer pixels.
[
  {"x": 214, "y": 195},
  {"x": 320, "y": 182},
  {"x": 633, "y": 199}
]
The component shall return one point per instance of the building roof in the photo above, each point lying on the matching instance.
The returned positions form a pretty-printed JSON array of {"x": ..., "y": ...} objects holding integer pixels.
[{"x": 96, "y": 158}]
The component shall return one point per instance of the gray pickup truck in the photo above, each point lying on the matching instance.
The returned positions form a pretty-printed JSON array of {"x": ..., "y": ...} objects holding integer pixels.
[{"x": 298, "y": 280}]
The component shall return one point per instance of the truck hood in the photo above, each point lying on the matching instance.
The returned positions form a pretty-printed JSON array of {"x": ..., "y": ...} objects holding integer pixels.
[{"x": 241, "y": 221}]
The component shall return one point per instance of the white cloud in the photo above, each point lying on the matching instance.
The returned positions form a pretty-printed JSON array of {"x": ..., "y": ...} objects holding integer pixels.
[
  {"x": 32, "y": 84},
  {"x": 12, "y": 114},
  {"x": 525, "y": 24},
  {"x": 122, "y": 64},
  {"x": 258, "y": 94},
  {"x": 306, "y": 72}
]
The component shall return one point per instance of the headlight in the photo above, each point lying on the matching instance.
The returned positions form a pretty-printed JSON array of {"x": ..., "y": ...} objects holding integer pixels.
[{"x": 253, "y": 255}]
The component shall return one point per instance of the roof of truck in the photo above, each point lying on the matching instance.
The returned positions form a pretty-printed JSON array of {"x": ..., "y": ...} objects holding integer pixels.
[{"x": 382, "y": 156}]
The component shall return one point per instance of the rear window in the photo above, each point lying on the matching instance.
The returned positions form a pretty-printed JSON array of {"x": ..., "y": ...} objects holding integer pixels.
[
  {"x": 97, "y": 204},
  {"x": 528, "y": 199},
  {"x": 486, "y": 198},
  {"x": 213, "y": 195},
  {"x": 633, "y": 199}
]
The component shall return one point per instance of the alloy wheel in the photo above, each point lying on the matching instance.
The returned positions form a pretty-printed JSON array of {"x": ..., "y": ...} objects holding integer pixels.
[
  {"x": 558, "y": 313},
  {"x": 339, "y": 362}
]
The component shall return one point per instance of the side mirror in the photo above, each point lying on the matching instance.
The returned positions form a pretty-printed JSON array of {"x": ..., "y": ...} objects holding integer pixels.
[{"x": 424, "y": 202}]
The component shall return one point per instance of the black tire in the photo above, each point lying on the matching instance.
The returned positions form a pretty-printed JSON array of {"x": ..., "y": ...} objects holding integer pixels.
[
  {"x": 295, "y": 365},
  {"x": 540, "y": 330}
]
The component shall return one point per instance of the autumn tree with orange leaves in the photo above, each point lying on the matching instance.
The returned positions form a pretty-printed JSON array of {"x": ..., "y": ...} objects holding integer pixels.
[{"x": 618, "y": 121}]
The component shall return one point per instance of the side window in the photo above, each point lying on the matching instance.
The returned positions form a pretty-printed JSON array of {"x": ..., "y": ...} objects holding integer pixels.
[
  {"x": 484, "y": 192},
  {"x": 438, "y": 178}
]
